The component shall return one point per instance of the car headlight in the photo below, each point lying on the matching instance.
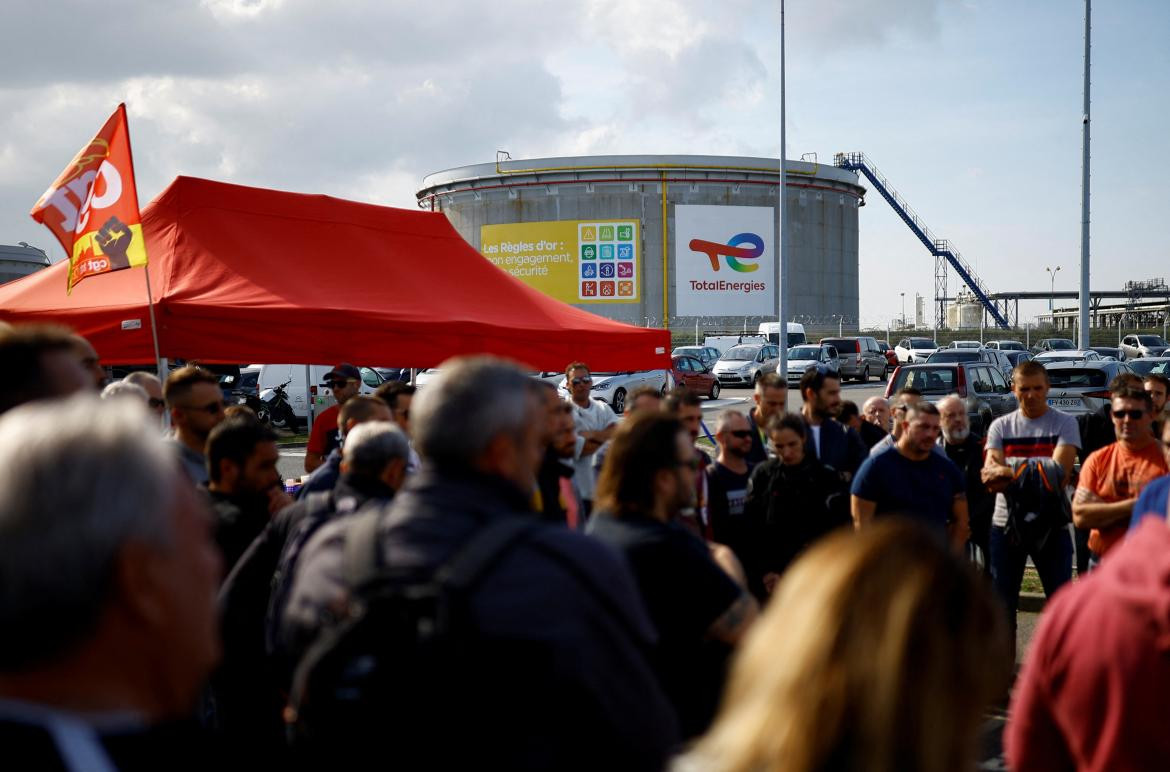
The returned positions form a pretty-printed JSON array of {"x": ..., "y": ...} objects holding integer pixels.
[{"x": 602, "y": 386}]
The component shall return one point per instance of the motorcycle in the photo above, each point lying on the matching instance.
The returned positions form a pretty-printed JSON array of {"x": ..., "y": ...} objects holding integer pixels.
[{"x": 272, "y": 407}]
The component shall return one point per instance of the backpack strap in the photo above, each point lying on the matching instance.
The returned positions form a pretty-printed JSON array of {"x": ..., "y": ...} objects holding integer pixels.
[
  {"x": 362, "y": 557},
  {"x": 481, "y": 550}
]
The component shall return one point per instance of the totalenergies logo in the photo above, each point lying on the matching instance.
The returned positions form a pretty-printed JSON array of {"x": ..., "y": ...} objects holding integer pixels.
[{"x": 734, "y": 250}]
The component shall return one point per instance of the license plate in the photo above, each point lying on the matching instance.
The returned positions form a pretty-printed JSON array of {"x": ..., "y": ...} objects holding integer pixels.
[{"x": 1065, "y": 402}]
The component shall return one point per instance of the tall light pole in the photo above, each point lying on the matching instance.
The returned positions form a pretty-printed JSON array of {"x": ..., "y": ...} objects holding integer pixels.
[
  {"x": 1051, "y": 290},
  {"x": 1083, "y": 342},
  {"x": 781, "y": 224}
]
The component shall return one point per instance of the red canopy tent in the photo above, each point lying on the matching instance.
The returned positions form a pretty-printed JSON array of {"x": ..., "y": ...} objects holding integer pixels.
[{"x": 245, "y": 274}]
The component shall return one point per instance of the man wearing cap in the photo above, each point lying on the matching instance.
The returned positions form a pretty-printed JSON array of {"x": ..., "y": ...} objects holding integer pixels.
[{"x": 344, "y": 381}]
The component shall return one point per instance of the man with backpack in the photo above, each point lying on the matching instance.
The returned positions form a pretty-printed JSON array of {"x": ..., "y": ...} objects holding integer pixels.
[
  {"x": 455, "y": 630},
  {"x": 248, "y": 686}
]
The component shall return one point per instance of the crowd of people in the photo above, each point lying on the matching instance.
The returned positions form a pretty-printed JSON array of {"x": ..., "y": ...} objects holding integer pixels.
[{"x": 489, "y": 573}]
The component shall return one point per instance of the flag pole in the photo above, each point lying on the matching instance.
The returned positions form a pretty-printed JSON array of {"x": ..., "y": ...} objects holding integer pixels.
[{"x": 146, "y": 268}]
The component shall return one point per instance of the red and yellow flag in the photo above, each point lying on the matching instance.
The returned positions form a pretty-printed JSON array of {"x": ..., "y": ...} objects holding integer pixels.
[{"x": 92, "y": 208}]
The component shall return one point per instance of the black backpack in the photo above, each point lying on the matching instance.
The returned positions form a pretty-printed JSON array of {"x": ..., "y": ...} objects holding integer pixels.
[{"x": 390, "y": 663}]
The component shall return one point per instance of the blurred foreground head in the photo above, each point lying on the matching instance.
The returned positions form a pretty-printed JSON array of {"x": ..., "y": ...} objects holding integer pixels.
[
  {"x": 38, "y": 361},
  {"x": 107, "y": 569},
  {"x": 481, "y": 415},
  {"x": 880, "y": 652}
]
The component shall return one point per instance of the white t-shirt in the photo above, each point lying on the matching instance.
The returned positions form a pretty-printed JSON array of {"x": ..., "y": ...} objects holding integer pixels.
[
  {"x": 1020, "y": 437},
  {"x": 594, "y": 418}
]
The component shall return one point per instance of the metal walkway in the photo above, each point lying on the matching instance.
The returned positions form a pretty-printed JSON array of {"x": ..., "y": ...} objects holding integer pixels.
[{"x": 940, "y": 248}]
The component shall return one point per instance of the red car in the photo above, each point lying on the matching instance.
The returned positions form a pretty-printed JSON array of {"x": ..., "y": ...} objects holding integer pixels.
[{"x": 690, "y": 372}]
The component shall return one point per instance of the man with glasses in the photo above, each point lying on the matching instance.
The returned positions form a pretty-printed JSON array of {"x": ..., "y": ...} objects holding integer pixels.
[
  {"x": 345, "y": 381},
  {"x": 154, "y": 393},
  {"x": 595, "y": 423},
  {"x": 195, "y": 402},
  {"x": 727, "y": 482},
  {"x": 1113, "y": 476}
]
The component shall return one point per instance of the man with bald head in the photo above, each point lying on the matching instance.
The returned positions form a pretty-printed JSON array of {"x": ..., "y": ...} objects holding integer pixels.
[
  {"x": 966, "y": 451},
  {"x": 875, "y": 421}
]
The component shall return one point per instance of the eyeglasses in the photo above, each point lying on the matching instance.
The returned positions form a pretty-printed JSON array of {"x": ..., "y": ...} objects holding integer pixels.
[
  {"x": 336, "y": 384},
  {"x": 155, "y": 402},
  {"x": 211, "y": 408},
  {"x": 1132, "y": 415},
  {"x": 742, "y": 434},
  {"x": 583, "y": 379}
]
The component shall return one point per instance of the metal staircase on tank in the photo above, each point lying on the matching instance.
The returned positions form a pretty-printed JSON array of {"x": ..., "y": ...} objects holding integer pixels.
[{"x": 940, "y": 248}]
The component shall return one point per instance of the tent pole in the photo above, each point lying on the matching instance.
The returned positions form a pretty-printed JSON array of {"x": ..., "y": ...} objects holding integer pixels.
[
  {"x": 308, "y": 400},
  {"x": 158, "y": 362}
]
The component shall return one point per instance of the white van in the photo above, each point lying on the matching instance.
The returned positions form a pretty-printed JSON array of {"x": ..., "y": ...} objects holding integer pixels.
[
  {"x": 275, "y": 375},
  {"x": 771, "y": 330}
]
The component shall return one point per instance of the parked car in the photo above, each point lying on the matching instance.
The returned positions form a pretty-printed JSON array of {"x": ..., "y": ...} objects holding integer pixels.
[
  {"x": 697, "y": 377},
  {"x": 724, "y": 343},
  {"x": 858, "y": 357},
  {"x": 743, "y": 365},
  {"x": 1109, "y": 352},
  {"x": 1137, "y": 346},
  {"x": 394, "y": 373},
  {"x": 1081, "y": 387},
  {"x": 891, "y": 355},
  {"x": 1005, "y": 345},
  {"x": 801, "y": 358},
  {"x": 1053, "y": 344},
  {"x": 1074, "y": 355},
  {"x": 1151, "y": 366},
  {"x": 708, "y": 355},
  {"x": 1015, "y": 357},
  {"x": 989, "y": 355},
  {"x": 912, "y": 350},
  {"x": 965, "y": 344},
  {"x": 237, "y": 388},
  {"x": 981, "y": 386},
  {"x": 613, "y": 388}
]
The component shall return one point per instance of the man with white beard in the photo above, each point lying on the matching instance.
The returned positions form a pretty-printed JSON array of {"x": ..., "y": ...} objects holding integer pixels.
[{"x": 966, "y": 451}]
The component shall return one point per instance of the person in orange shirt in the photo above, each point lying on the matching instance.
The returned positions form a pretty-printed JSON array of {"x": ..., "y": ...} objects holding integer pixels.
[{"x": 1113, "y": 476}]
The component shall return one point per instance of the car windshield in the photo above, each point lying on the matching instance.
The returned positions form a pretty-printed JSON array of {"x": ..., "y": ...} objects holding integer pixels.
[
  {"x": 1061, "y": 359},
  {"x": 1151, "y": 340},
  {"x": 921, "y": 343},
  {"x": 1150, "y": 366},
  {"x": 1010, "y": 345},
  {"x": 741, "y": 353},
  {"x": 928, "y": 380},
  {"x": 805, "y": 352},
  {"x": 967, "y": 344},
  {"x": 1061, "y": 344},
  {"x": 687, "y": 351},
  {"x": 953, "y": 356},
  {"x": 1071, "y": 378}
]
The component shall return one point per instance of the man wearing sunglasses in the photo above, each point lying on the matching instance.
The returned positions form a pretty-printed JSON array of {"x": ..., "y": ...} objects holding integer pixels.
[
  {"x": 727, "y": 482},
  {"x": 154, "y": 393},
  {"x": 595, "y": 423},
  {"x": 345, "y": 381},
  {"x": 195, "y": 402},
  {"x": 1113, "y": 476}
]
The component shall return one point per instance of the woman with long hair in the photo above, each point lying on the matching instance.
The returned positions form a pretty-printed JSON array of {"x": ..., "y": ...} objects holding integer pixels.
[{"x": 879, "y": 651}]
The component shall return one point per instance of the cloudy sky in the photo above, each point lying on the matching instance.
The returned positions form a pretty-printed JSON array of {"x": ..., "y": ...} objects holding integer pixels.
[{"x": 972, "y": 108}]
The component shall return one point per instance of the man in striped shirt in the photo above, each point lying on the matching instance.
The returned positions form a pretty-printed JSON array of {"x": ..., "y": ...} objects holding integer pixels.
[{"x": 1032, "y": 431}]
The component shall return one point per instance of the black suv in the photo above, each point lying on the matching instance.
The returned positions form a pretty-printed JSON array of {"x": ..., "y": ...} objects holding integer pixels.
[{"x": 979, "y": 384}]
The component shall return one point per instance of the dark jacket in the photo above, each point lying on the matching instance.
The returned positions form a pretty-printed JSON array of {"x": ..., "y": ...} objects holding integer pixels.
[
  {"x": 790, "y": 507},
  {"x": 840, "y": 447},
  {"x": 968, "y": 456},
  {"x": 559, "y": 676},
  {"x": 178, "y": 746},
  {"x": 238, "y": 520},
  {"x": 871, "y": 434},
  {"x": 548, "y": 482},
  {"x": 759, "y": 449},
  {"x": 245, "y": 688}
]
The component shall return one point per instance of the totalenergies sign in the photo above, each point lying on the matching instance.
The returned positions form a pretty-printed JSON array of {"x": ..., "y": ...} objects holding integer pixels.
[
  {"x": 724, "y": 261},
  {"x": 92, "y": 207}
]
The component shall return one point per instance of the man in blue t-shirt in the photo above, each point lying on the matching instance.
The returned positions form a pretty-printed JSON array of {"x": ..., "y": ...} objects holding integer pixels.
[{"x": 911, "y": 480}]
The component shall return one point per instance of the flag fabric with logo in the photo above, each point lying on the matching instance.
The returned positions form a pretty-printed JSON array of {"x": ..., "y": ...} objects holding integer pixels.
[{"x": 92, "y": 207}]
